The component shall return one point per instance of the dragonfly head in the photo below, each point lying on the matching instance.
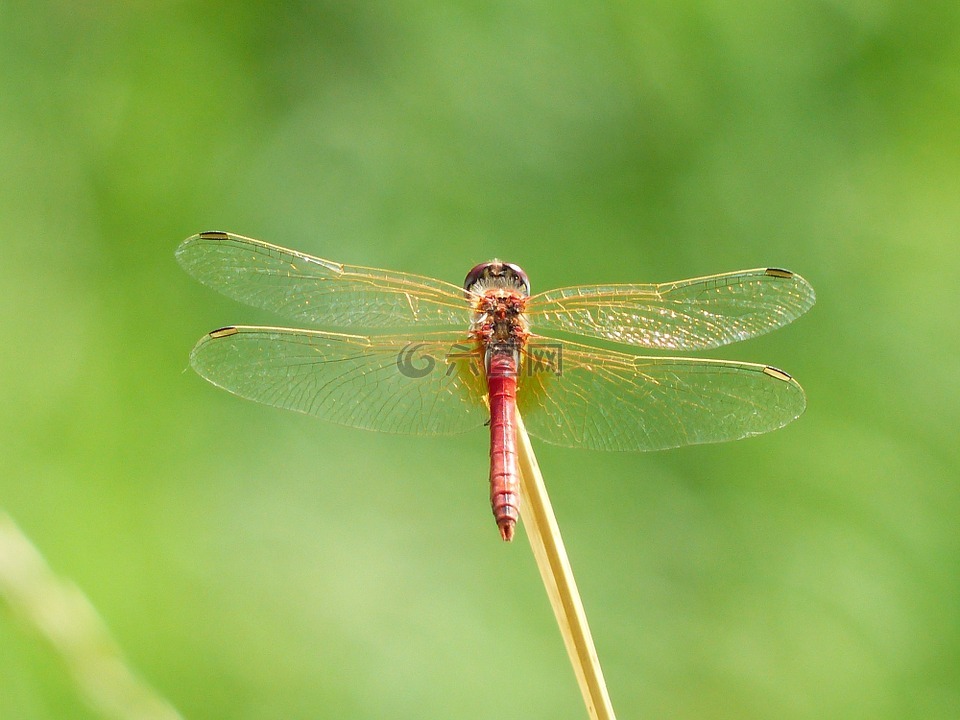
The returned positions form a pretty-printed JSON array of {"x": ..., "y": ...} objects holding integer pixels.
[{"x": 496, "y": 274}]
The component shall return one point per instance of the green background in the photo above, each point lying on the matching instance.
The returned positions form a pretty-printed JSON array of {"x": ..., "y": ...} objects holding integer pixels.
[{"x": 259, "y": 564}]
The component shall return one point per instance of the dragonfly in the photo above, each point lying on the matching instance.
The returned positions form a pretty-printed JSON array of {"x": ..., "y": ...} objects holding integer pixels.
[{"x": 404, "y": 353}]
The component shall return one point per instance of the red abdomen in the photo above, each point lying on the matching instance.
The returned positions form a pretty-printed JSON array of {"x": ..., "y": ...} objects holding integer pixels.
[{"x": 504, "y": 478}]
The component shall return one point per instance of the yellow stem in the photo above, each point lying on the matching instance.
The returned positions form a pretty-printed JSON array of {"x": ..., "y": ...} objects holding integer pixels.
[{"x": 544, "y": 535}]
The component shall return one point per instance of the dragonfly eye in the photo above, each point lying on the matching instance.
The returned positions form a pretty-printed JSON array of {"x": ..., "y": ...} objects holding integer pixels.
[
  {"x": 495, "y": 274},
  {"x": 520, "y": 275}
]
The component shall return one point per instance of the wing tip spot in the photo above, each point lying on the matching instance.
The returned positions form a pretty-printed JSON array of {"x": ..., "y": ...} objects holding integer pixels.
[
  {"x": 778, "y": 273},
  {"x": 214, "y": 235},
  {"x": 224, "y": 332},
  {"x": 777, "y": 373}
]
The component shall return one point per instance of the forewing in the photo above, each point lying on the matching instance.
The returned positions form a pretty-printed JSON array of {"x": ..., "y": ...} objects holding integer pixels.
[
  {"x": 578, "y": 396},
  {"x": 685, "y": 315},
  {"x": 430, "y": 387},
  {"x": 317, "y": 291}
]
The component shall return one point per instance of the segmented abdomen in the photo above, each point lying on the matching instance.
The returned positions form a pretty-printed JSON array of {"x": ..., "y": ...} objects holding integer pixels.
[{"x": 504, "y": 477}]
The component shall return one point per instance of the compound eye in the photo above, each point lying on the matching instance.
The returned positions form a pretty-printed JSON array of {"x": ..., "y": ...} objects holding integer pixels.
[
  {"x": 521, "y": 275},
  {"x": 474, "y": 275},
  {"x": 500, "y": 272}
]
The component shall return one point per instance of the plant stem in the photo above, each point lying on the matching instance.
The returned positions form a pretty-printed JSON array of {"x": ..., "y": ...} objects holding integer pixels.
[{"x": 547, "y": 545}]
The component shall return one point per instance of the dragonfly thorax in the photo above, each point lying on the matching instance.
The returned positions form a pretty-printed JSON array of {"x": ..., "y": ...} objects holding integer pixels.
[{"x": 499, "y": 323}]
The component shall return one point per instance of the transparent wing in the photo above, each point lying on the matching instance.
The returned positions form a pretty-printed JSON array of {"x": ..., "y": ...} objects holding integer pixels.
[
  {"x": 428, "y": 387},
  {"x": 579, "y": 396},
  {"x": 685, "y": 315},
  {"x": 313, "y": 290}
]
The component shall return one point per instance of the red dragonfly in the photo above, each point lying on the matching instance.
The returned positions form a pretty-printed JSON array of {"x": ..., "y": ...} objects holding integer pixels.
[{"x": 469, "y": 356}]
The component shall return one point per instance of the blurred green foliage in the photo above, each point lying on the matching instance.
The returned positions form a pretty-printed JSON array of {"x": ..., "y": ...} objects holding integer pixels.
[{"x": 258, "y": 564}]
